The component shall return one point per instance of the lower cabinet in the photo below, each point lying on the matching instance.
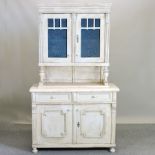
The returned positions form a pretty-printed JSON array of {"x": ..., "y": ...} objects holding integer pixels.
[
  {"x": 54, "y": 124},
  {"x": 68, "y": 124},
  {"x": 93, "y": 123}
]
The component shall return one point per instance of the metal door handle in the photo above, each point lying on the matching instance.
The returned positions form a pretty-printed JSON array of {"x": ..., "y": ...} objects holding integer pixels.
[
  {"x": 78, "y": 124},
  {"x": 77, "y": 38}
]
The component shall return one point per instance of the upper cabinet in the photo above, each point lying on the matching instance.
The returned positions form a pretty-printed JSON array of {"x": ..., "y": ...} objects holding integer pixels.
[
  {"x": 56, "y": 31},
  {"x": 90, "y": 38},
  {"x": 72, "y": 38}
]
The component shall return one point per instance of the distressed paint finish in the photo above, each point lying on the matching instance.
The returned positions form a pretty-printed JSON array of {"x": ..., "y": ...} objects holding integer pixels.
[
  {"x": 74, "y": 105},
  {"x": 73, "y": 56},
  {"x": 64, "y": 114}
]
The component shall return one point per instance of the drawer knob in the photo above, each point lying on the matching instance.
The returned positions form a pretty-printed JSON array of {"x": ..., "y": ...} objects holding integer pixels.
[
  {"x": 51, "y": 97},
  {"x": 93, "y": 97}
]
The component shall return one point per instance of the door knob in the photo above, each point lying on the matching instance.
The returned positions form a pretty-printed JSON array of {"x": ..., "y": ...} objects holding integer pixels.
[{"x": 78, "y": 124}]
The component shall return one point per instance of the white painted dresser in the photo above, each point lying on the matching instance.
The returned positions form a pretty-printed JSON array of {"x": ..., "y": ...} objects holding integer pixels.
[{"x": 74, "y": 105}]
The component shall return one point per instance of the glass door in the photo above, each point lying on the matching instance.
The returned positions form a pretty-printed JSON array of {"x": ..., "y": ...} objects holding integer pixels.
[
  {"x": 90, "y": 38},
  {"x": 57, "y": 41}
]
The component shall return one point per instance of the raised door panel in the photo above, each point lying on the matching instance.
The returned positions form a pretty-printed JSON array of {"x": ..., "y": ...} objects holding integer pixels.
[
  {"x": 56, "y": 30},
  {"x": 90, "y": 38},
  {"x": 93, "y": 123},
  {"x": 55, "y": 124}
]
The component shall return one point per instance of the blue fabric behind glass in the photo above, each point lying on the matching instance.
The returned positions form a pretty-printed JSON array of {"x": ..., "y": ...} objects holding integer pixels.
[
  {"x": 57, "y": 43},
  {"x": 83, "y": 22},
  {"x": 64, "y": 22},
  {"x": 90, "y": 43},
  {"x": 90, "y": 22},
  {"x": 50, "y": 22},
  {"x": 97, "y": 22},
  {"x": 57, "y": 22}
]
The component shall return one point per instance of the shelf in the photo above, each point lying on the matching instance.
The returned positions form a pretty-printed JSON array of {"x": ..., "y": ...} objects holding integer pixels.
[
  {"x": 73, "y": 87},
  {"x": 72, "y": 64}
]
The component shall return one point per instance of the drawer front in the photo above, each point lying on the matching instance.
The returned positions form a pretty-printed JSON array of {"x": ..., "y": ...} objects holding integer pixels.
[
  {"x": 99, "y": 97},
  {"x": 53, "y": 97}
]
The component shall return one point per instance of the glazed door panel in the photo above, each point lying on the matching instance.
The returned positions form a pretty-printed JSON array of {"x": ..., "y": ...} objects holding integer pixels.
[
  {"x": 93, "y": 123},
  {"x": 57, "y": 37},
  {"x": 90, "y": 38},
  {"x": 55, "y": 124}
]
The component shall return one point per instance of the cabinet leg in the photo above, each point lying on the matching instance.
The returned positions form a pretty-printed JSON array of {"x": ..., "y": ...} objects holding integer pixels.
[
  {"x": 34, "y": 150},
  {"x": 112, "y": 150}
]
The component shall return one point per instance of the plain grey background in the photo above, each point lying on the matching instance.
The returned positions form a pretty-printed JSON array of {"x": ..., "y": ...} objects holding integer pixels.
[{"x": 132, "y": 54}]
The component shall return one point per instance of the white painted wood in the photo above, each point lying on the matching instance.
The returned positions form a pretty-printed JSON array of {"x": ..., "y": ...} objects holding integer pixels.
[
  {"x": 45, "y": 18},
  {"x": 53, "y": 97},
  {"x": 59, "y": 74},
  {"x": 48, "y": 7},
  {"x": 113, "y": 115},
  {"x": 34, "y": 126},
  {"x": 95, "y": 97},
  {"x": 74, "y": 64},
  {"x": 42, "y": 75},
  {"x": 54, "y": 124},
  {"x": 55, "y": 110},
  {"x": 93, "y": 123},
  {"x": 107, "y": 42},
  {"x": 35, "y": 150},
  {"x": 105, "y": 75},
  {"x": 75, "y": 145},
  {"x": 78, "y": 42},
  {"x": 74, "y": 105},
  {"x": 107, "y": 36},
  {"x": 87, "y": 74},
  {"x": 112, "y": 150},
  {"x": 75, "y": 87}
]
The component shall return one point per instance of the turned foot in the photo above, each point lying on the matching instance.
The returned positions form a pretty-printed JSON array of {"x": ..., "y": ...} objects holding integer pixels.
[
  {"x": 112, "y": 150},
  {"x": 34, "y": 150}
]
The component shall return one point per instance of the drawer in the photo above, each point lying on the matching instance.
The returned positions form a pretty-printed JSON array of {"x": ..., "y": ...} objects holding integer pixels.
[
  {"x": 99, "y": 97},
  {"x": 53, "y": 97}
]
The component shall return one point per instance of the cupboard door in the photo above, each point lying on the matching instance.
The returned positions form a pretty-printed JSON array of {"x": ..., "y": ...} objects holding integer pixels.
[
  {"x": 93, "y": 123},
  {"x": 90, "y": 38},
  {"x": 57, "y": 37},
  {"x": 55, "y": 124}
]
